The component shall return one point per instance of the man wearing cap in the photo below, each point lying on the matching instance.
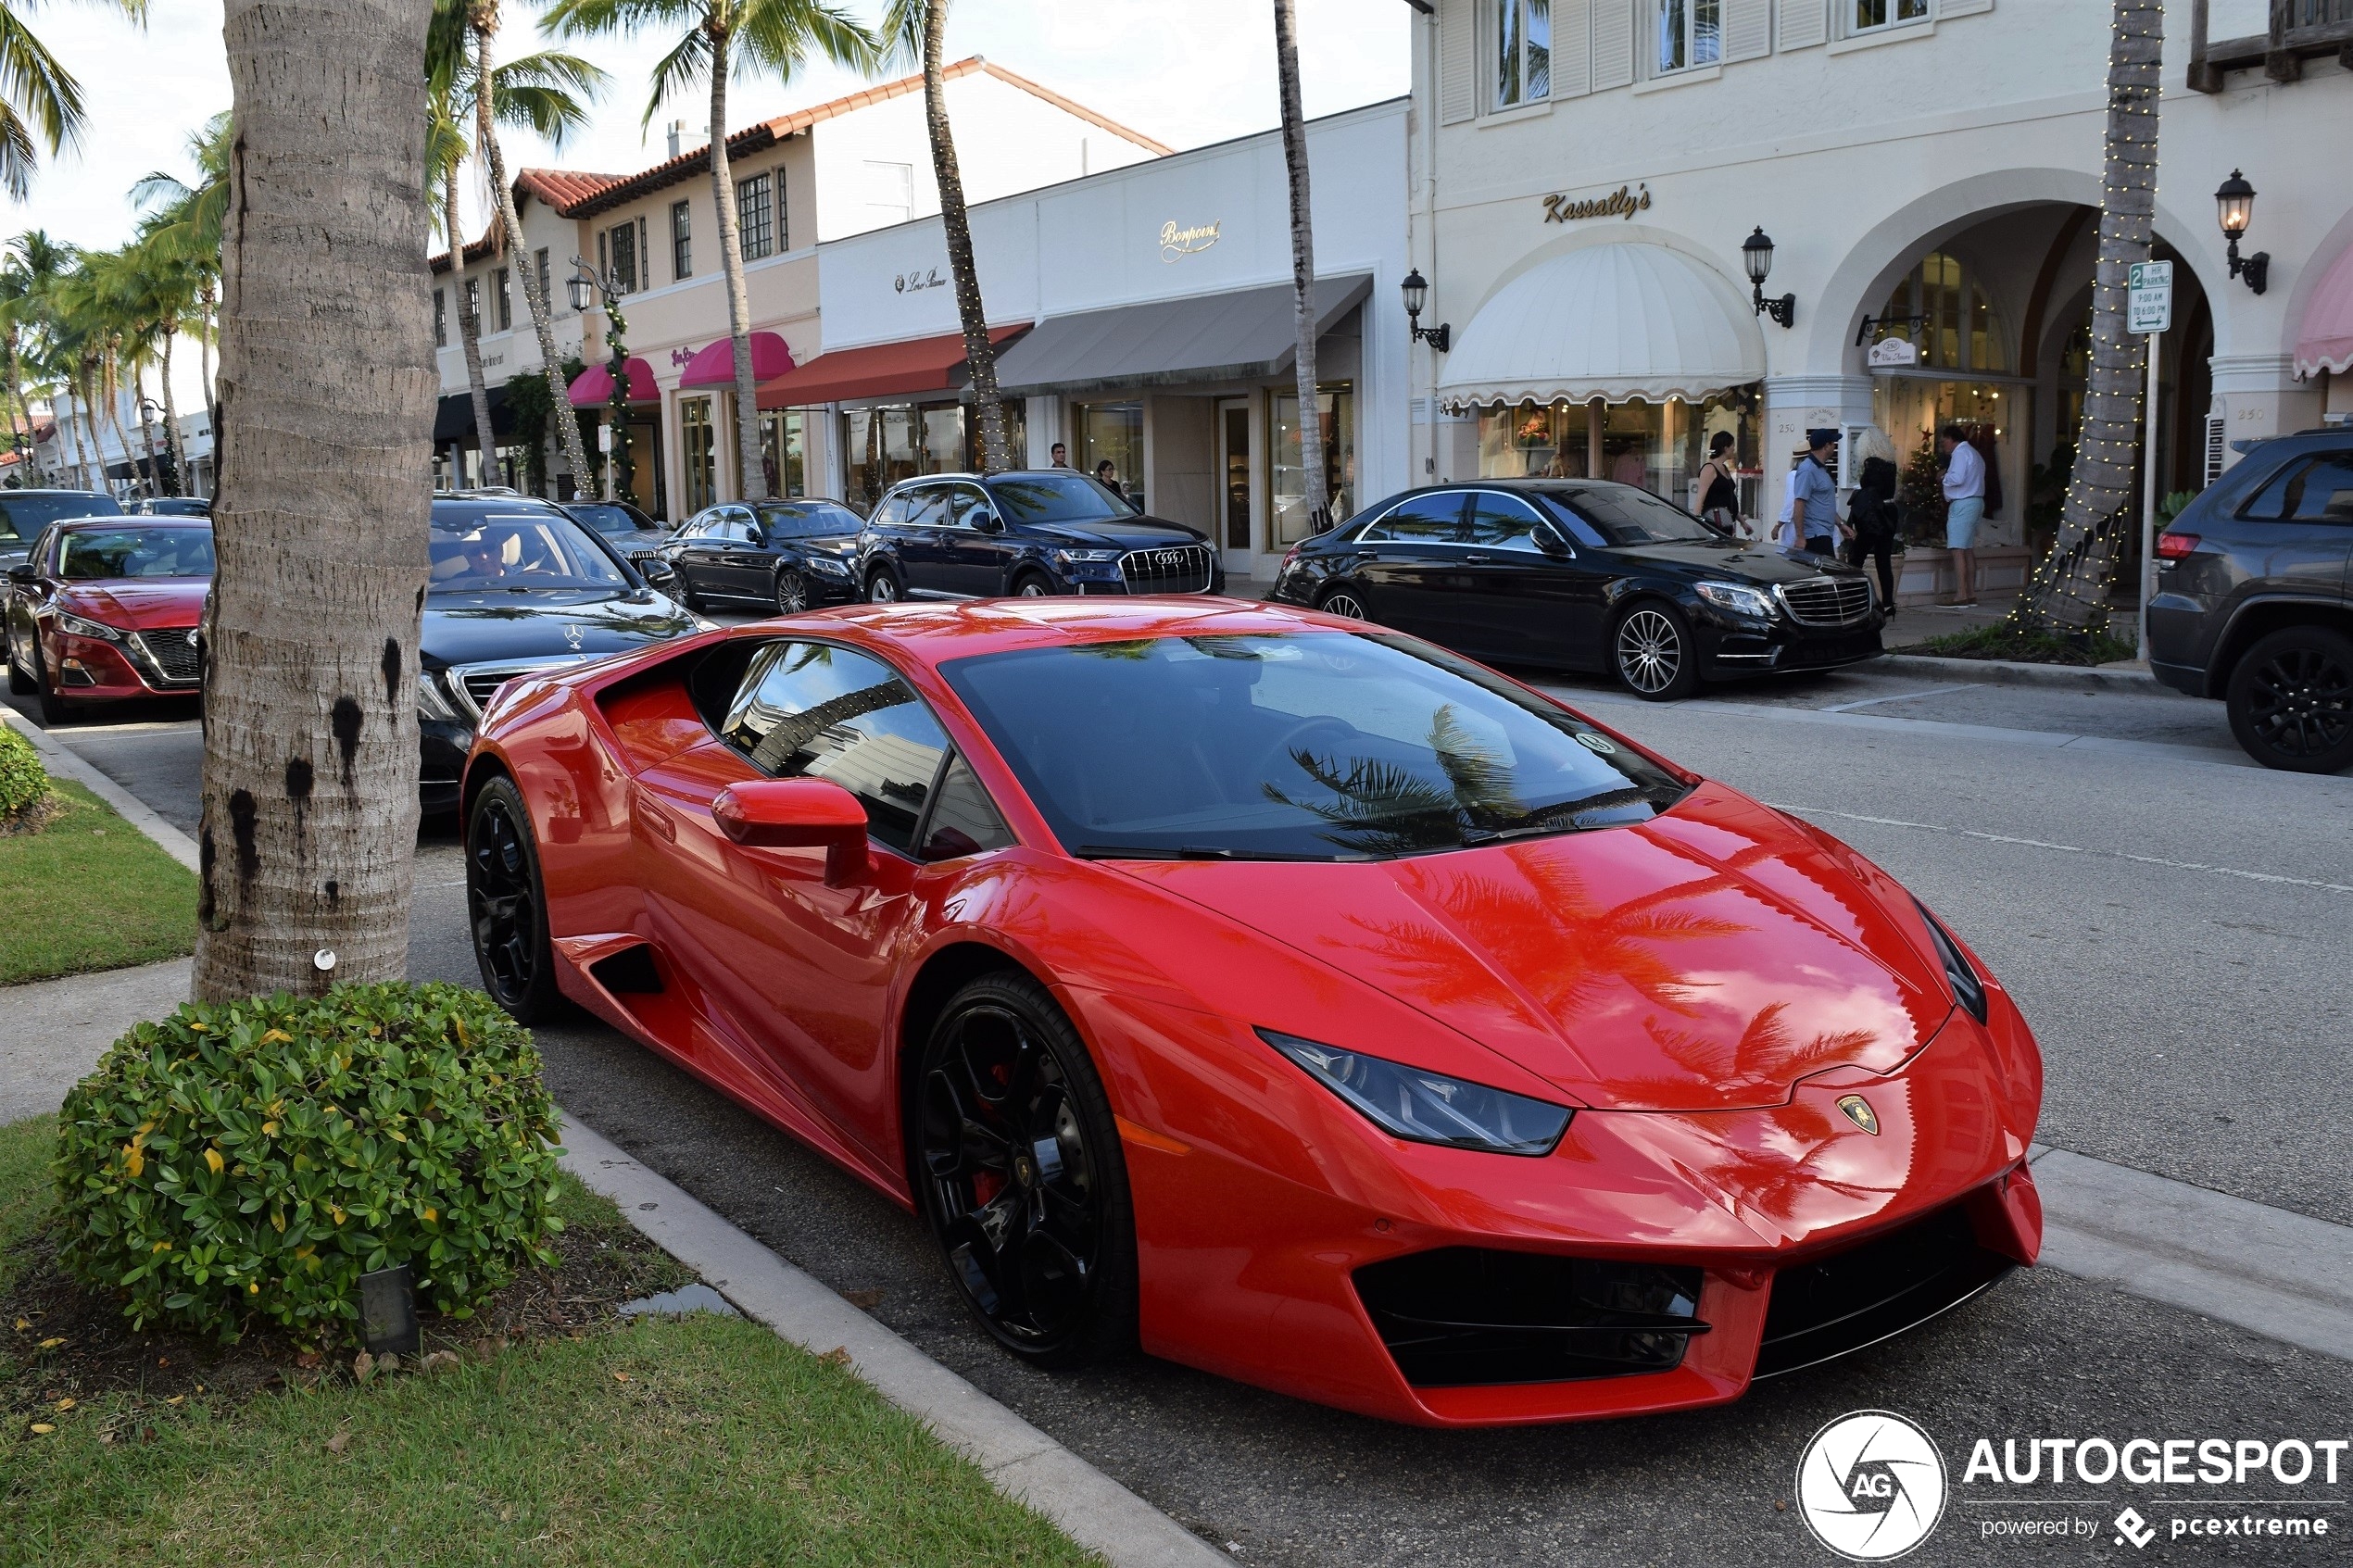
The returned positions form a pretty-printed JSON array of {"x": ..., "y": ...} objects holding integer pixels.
[
  {"x": 1964, "y": 507},
  {"x": 1810, "y": 512}
]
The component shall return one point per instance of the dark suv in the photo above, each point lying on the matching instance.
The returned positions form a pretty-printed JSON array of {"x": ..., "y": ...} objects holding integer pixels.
[
  {"x": 1033, "y": 531},
  {"x": 2252, "y": 604}
]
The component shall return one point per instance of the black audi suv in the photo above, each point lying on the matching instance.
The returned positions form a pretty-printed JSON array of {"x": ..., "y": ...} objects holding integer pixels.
[
  {"x": 1029, "y": 532},
  {"x": 2253, "y": 602},
  {"x": 1583, "y": 574},
  {"x": 783, "y": 556}
]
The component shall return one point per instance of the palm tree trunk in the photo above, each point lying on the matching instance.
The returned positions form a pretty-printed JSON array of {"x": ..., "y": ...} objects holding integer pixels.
[
  {"x": 82, "y": 418},
  {"x": 2070, "y": 590},
  {"x": 980, "y": 354},
  {"x": 308, "y": 834},
  {"x": 526, "y": 265},
  {"x": 178, "y": 445},
  {"x": 731, "y": 261},
  {"x": 113, "y": 415},
  {"x": 1302, "y": 264},
  {"x": 204, "y": 369},
  {"x": 469, "y": 335}
]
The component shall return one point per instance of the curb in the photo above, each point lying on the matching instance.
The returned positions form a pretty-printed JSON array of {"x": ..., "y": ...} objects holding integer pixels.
[
  {"x": 59, "y": 759},
  {"x": 2011, "y": 673},
  {"x": 1019, "y": 1461}
]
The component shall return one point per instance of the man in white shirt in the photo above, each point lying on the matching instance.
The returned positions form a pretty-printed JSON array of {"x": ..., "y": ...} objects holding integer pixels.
[{"x": 1964, "y": 507}]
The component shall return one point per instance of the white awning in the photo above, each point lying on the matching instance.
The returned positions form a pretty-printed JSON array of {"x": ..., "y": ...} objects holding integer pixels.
[{"x": 1614, "y": 321}]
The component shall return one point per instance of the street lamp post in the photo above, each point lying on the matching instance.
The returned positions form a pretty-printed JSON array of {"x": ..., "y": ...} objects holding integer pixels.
[
  {"x": 1756, "y": 258},
  {"x": 2234, "y": 209},
  {"x": 620, "y": 473}
]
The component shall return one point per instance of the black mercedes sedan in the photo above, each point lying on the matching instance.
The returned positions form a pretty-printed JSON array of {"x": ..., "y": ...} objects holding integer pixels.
[
  {"x": 1026, "y": 533},
  {"x": 516, "y": 585},
  {"x": 783, "y": 556},
  {"x": 1583, "y": 574}
]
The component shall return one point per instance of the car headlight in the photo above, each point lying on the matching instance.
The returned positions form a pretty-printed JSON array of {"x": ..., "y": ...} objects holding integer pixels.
[
  {"x": 1085, "y": 557},
  {"x": 1422, "y": 1106},
  {"x": 828, "y": 567},
  {"x": 1737, "y": 597},
  {"x": 432, "y": 700},
  {"x": 81, "y": 627},
  {"x": 1968, "y": 989}
]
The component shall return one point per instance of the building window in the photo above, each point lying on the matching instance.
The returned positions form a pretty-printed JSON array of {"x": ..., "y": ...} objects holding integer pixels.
[
  {"x": 1288, "y": 480},
  {"x": 440, "y": 318},
  {"x": 541, "y": 262},
  {"x": 1523, "y": 52},
  {"x": 682, "y": 243},
  {"x": 1947, "y": 317},
  {"x": 1691, "y": 32},
  {"x": 694, "y": 423},
  {"x": 625, "y": 259},
  {"x": 1114, "y": 433},
  {"x": 471, "y": 310},
  {"x": 783, "y": 451},
  {"x": 890, "y": 189},
  {"x": 1869, "y": 13},
  {"x": 756, "y": 216},
  {"x": 506, "y": 301}
]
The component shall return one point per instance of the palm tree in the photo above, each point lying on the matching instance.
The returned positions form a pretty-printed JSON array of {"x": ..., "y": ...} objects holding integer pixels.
[
  {"x": 310, "y": 784},
  {"x": 1302, "y": 263},
  {"x": 16, "y": 302},
  {"x": 445, "y": 158},
  {"x": 774, "y": 36},
  {"x": 914, "y": 31},
  {"x": 34, "y": 88},
  {"x": 39, "y": 262},
  {"x": 2068, "y": 593},
  {"x": 188, "y": 222}
]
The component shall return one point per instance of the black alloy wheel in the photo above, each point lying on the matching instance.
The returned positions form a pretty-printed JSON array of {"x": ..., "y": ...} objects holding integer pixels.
[
  {"x": 2291, "y": 700},
  {"x": 792, "y": 591},
  {"x": 882, "y": 588},
  {"x": 1021, "y": 1176},
  {"x": 506, "y": 908},
  {"x": 1344, "y": 602},
  {"x": 1651, "y": 649},
  {"x": 687, "y": 594}
]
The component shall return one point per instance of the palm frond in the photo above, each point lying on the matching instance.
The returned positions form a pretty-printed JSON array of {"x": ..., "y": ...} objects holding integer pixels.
[
  {"x": 33, "y": 87},
  {"x": 678, "y": 70}
]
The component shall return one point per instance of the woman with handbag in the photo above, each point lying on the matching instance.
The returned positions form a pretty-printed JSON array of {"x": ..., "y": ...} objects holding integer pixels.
[
  {"x": 1871, "y": 516},
  {"x": 1720, "y": 488}
]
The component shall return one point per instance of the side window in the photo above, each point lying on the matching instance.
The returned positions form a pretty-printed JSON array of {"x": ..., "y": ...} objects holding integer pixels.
[
  {"x": 888, "y": 510},
  {"x": 927, "y": 508},
  {"x": 1502, "y": 523},
  {"x": 2313, "y": 490},
  {"x": 963, "y": 502},
  {"x": 1422, "y": 519},
  {"x": 963, "y": 819},
  {"x": 812, "y": 710}
]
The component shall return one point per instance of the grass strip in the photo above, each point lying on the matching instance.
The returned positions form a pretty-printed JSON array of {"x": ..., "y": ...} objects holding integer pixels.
[{"x": 90, "y": 892}]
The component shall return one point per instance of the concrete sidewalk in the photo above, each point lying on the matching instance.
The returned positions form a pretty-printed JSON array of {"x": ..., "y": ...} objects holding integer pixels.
[{"x": 53, "y": 1032}]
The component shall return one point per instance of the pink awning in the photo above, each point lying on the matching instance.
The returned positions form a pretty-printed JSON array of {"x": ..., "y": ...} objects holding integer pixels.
[
  {"x": 715, "y": 366},
  {"x": 2325, "y": 340},
  {"x": 592, "y": 388}
]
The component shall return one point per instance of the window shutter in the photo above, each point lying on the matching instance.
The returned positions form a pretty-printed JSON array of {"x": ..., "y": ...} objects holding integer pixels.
[
  {"x": 2214, "y": 447},
  {"x": 1804, "y": 23},
  {"x": 1963, "y": 8},
  {"x": 1572, "y": 60},
  {"x": 1748, "y": 29},
  {"x": 1457, "y": 60},
  {"x": 1613, "y": 43}
]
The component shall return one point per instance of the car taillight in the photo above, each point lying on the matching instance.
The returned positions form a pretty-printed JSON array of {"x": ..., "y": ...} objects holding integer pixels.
[{"x": 2174, "y": 546}]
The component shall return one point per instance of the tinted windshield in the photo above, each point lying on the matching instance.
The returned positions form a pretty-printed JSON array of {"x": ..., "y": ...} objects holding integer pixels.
[
  {"x": 1317, "y": 746},
  {"x": 519, "y": 553},
  {"x": 93, "y": 554},
  {"x": 175, "y": 506},
  {"x": 28, "y": 515},
  {"x": 1056, "y": 497},
  {"x": 1623, "y": 515},
  {"x": 809, "y": 520},
  {"x": 607, "y": 519}
]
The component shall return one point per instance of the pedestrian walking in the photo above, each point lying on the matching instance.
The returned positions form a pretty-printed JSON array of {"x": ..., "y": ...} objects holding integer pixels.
[
  {"x": 1719, "y": 487},
  {"x": 1809, "y": 509},
  {"x": 1871, "y": 515},
  {"x": 1108, "y": 477},
  {"x": 1061, "y": 455},
  {"x": 1964, "y": 507}
]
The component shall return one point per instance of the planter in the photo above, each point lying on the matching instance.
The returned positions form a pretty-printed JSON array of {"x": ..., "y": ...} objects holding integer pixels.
[{"x": 1925, "y": 576}]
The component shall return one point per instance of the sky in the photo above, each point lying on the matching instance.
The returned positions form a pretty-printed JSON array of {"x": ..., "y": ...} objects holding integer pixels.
[{"x": 1185, "y": 71}]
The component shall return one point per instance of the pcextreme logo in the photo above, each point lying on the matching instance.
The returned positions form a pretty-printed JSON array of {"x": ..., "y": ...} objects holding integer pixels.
[{"x": 1870, "y": 1485}]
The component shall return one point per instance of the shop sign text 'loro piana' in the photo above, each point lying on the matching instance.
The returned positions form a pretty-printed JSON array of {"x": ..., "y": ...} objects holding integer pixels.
[{"x": 1624, "y": 202}]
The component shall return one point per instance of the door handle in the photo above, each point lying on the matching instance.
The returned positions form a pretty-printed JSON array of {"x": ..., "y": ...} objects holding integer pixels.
[{"x": 1478, "y": 559}]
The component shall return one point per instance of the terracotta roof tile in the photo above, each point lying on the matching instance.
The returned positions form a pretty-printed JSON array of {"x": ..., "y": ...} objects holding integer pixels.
[{"x": 563, "y": 188}]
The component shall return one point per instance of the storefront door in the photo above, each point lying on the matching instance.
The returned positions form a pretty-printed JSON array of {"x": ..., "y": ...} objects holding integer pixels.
[{"x": 1233, "y": 452}]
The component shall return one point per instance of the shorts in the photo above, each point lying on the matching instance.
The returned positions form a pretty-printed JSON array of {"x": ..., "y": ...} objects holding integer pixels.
[{"x": 1961, "y": 517}]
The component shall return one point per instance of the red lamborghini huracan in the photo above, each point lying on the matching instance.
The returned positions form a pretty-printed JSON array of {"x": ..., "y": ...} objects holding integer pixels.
[{"x": 1292, "y": 998}]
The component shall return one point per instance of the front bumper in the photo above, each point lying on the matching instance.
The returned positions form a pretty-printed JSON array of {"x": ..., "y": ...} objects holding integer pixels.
[
  {"x": 443, "y": 744},
  {"x": 95, "y": 669},
  {"x": 1731, "y": 647}
]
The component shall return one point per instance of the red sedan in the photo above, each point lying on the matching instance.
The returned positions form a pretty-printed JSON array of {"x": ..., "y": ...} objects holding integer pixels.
[
  {"x": 105, "y": 611},
  {"x": 1291, "y": 998}
]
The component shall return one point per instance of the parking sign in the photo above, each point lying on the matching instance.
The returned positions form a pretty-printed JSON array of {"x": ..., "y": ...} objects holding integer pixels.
[{"x": 2149, "y": 303}]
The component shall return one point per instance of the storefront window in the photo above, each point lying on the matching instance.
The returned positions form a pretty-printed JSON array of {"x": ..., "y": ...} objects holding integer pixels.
[
  {"x": 1534, "y": 441},
  {"x": 1945, "y": 312},
  {"x": 1016, "y": 436},
  {"x": 1336, "y": 403},
  {"x": 1911, "y": 408},
  {"x": 896, "y": 441},
  {"x": 1659, "y": 446},
  {"x": 783, "y": 451},
  {"x": 1113, "y": 433},
  {"x": 697, "y": 449}
]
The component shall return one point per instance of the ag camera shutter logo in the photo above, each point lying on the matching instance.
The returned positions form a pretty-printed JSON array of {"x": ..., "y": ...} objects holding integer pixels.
[{"x": 1870, "y": 1485}]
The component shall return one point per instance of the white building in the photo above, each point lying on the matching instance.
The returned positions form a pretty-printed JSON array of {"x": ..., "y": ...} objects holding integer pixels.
[{"x": 1585, "y": 172}]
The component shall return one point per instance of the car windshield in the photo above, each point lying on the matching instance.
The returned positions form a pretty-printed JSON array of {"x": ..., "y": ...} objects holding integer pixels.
[
  {"x": 91, "y": 554},
  {"x": 1623, "y": 515},
  {"x": 517, "y": 553},
  {"x": 175, "y": 506},
  {"x": 607, "y": 519},
  {"x": 26, "y": 516},
  {"x": 1309, "y": 746},
  {"x": 812, "y": 520},
  {"x": 1056, "y": 497}
]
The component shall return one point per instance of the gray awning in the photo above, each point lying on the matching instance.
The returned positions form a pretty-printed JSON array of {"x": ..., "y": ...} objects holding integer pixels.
[{"x": 1245, "y": 334}]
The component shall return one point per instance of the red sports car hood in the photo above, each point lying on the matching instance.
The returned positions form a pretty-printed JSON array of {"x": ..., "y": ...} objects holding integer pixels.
[
  {"x": 137, "y": 604},
  {"x": 1706, "y": 960}
]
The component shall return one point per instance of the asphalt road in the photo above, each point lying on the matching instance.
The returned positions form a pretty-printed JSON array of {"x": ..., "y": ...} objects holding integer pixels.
[{"x": 2176, "y": 924}]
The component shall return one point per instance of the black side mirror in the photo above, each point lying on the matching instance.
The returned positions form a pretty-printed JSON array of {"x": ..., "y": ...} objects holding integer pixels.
[
  {"x": 989, "y": 522},
  {"x": 1549, "y": 541},
  {"x": 757, "y": 536},
  {"x": 24, "y": 574},
  {"x": 1136, "y": 504}
]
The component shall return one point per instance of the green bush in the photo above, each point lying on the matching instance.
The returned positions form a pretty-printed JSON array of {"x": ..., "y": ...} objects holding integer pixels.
[
  {"x": 24, "y": 783},
  {"x": 246, "y": 1163}
]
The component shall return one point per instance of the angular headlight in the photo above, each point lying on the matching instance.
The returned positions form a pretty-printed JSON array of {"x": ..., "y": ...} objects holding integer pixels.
[
  {"x": 1737, "y": 597},
  {"x": 1422, "y": 1106},
  {"x": 433, "y": 700},
  {"x": 829, "y": 566},
  {"x": 1085, "y": 557},
  {"x": 80, "y": 627},
  {"x": 1968, "y": 989}
]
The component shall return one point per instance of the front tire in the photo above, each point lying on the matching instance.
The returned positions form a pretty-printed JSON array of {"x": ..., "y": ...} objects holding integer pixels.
[
  {"x": 1021, "y": 1175},
  {"x": 792, "y": 592},
  {"x": 20, "y": 683},
  {"x": 2290, "y": 699},
  {"x": 54, "y": 710},
  {"x": 1652, "y": 652},
  {"x": 1032, "y": 586},
  {"x": 687, "y": 594},
  {"x": 506, "y": 905}
]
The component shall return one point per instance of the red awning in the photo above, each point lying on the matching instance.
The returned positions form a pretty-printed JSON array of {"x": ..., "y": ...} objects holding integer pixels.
[
  {"x": 592, "y": 388},
  {"x": 924, "y": 364},
  {"x": 2325, "y": 340},
  {"x": 715, "y": 366}
]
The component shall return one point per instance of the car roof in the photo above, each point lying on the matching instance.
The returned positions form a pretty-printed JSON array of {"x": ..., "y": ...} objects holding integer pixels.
[
  {"x": 934, "y": 634},
  {"x": 132, "y": 520}
]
